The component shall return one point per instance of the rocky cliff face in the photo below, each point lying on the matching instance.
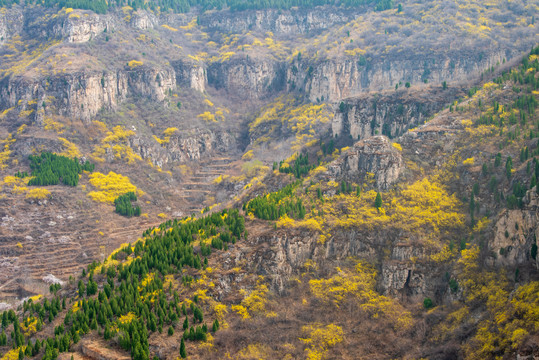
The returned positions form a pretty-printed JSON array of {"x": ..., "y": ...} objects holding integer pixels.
[
  {"x": 298, "y": 21},
  {"x": 390, "y": 113},
  {"x": 402, "y": 272},
  {"x": 339, "y": 78},
  {"x": 83, "y": 95},
  {"x": 11, "y": 22},
  {"x": 246, "y": 78},
  {"x": 374, "y": 155},
  {"x": 515, "y": 232},
  {"x": 184, "y": 148},
  {"x": 190, "y": 74},
  {"x": 78, "y": 28},
  {"x": 257, "y": 77},
  {"x": 81, "y": 26},
  {"x": 335, "y": 79},
  {"x": 143, "y": 20}
]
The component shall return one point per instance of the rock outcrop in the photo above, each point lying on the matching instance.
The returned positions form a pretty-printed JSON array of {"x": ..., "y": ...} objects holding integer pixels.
[
  {"x": 183, "y": 148},
  {"x": 78, "y": 28},
  {"x": 83, "y": 95},
  {"x": 389, "y": 113},
  {"x": 515, "y": 233},
  {"x": 338, "y": 78},
  {"x": 247, "y": 78},
  {"x": 190, "y": 74},
  {"x": 11, "y": 22},
  {"x": 294, "y": 21},
  {"x": 405, "y": 271},
  {"x": 143, "y": 20},
  {"x": 374, "y": 155}
]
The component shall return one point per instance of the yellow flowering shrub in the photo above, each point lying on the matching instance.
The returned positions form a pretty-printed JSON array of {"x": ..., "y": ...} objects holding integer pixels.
[
  {"x": 253, "y": 302},
  {"x": 320, "y": 339},
  {"x": 127, "y": 318},
  {"x": 38, "y": 193},
  {"x": 110, "y": 186},
  {"x": 169, "y": 27},
  {"x": 70, "y": 150},
  {"x": 52, "y": 125},
  {"x": 360, "y": 285},
  {"x": 134, "y": 63},
  {"x": 13, "y": 354}
]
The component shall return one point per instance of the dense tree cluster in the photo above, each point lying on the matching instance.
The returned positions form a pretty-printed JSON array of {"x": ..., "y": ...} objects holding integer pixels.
[
  {"x": 276, "y": 204},
  {"x": 300, "y": 167},
  {"x": 183, "y": 6},
  {"x": 50, "y": 169},
  {"x": 125, "y": 207}
]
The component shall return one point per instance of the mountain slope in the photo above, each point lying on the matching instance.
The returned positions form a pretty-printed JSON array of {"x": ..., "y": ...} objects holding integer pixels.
[{"x": 345, "y": 270}]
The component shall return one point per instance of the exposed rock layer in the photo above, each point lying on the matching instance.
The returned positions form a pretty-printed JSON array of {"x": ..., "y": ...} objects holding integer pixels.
[
  {"x": 374, "y": 155},
  {"x": 390, "y": 113}
]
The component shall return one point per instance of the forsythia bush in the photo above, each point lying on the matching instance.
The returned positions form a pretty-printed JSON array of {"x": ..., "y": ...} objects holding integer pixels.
[
  {"x": 135, "y": 63},
  {"x": 38, "y": 193},
  {"x": 469, "y": 161},
  {"x": 360, "y": 285},
  {"x": 253, "y": 303},
  {"x": 70, "y": 150},
  {"x": 13, "y": 354},
  {"x": 320, "y": 339},
  {"x": 110, "y": 187}
]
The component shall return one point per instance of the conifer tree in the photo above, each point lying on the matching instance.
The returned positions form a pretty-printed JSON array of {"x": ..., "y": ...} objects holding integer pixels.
[
  {"x": 183, "y": 352},
  {"x": 378, "y": 201}
]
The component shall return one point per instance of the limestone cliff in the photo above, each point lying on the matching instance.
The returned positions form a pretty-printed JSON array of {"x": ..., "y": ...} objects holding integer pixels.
[
  {"x": 11, "y": 22},
  {"x": 247, "y": 78},
  {"x": 403, "y": 271},
  {"x": 374, "y": 155},
  {"x": 82, "y": 95},
  {"x": 289, "y": 22},
  {"x": 389, "y": 113},
  {"x": 190, "y": 74},
  {"x": 78, "y": 28},
  {"x": 143, "y": 20},
  {"x": 515, "y": 232},
  {"x": 184, "y": 147},
  {"x": 338, "y": 78}
]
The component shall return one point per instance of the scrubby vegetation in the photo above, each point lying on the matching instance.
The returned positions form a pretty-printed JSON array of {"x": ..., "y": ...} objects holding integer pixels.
[
  {"x": 289, "y": 117},
  {"x": 117, "y": 142},
  {"x": 299, "y": 168}
]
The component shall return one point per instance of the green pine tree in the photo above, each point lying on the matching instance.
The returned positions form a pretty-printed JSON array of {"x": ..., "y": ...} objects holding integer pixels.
[
  {"x": 183, "y": 352},
  {"x": 378, "y": 201}
]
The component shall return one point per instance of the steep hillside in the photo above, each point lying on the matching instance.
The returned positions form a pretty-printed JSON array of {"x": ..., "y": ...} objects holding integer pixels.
[
  {"x": 420, "y": 248},
  {"x": 274, "y": 179}
]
